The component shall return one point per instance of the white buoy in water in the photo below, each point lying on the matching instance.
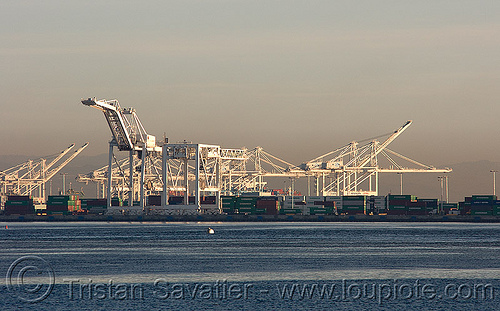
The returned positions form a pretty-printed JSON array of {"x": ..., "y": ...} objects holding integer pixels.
[{"x": 210, "y": 231}]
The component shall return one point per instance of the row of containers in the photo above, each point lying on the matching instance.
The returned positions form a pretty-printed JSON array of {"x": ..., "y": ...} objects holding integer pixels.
[
  {"x": 56, "y": 204},
  {"x": 355, "y": 205},
  {"x": 272, "y": 205},
  {"x": 320, "y": 205}
]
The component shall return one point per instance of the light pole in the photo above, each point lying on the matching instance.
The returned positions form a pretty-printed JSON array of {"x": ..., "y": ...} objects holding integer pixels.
[
  {"x": 401, "y": 182},
  {"x": 494, "y": 182},
  {"x": 64, "y": 183},
  {"x": 441, "y": 178},
  {"x": 447, "y": 189}
]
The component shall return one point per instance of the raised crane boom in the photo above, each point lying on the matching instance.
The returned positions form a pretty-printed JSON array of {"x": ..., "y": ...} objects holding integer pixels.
[
  {"x": 51, "y": 173},
  {"x": 389, "y": 140},
  {"x": 125, "y": 126}
]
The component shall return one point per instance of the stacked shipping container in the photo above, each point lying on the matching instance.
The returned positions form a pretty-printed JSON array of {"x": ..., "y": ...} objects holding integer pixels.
[
  {"x": 63, "y": 204},
  {"x": 352, "y": 205},
  {"x": 294, "y": 208},
  {"x": 19, "y": 205},
  {"x": 398, "y": 204},
  {"x": 94, "y": 206},
  {"x": 483, "y": 205}
]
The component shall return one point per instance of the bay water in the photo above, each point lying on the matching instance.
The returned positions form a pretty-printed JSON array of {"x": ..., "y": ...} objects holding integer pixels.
[{"x": 249, "y": 266}]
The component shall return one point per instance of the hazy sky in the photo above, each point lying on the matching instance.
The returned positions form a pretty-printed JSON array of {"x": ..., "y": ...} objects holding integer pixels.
[{"x": 299, "y": 78}]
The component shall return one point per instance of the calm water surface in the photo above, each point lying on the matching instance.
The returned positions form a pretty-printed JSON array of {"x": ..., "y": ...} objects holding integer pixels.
[{"x": 251, "y": 266}]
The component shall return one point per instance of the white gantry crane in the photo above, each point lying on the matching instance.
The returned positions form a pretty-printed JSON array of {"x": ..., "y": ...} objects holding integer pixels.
[
  {"x": 32, "y": 175},
  {"x": 128, "y": 135},
  {"x": 344, "y": 170},
  {"x": 163, "y": 168}
]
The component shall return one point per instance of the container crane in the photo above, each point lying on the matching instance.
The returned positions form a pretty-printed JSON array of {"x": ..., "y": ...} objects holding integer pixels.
[
  {"x": 128, "y": 135},
  {"x": 26, "y": 177},
  {"x": 213, "y": 168},
  {"x": 351, "y": 165}
]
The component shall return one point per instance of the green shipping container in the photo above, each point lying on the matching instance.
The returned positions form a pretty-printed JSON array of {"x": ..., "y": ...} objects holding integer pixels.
[
  {"x": 397, "y": 207},
  {"x": 58, "y": 213},
  {"x": 353, "y": 207},
  {"x": 72, "y": 197},
  {"x": 70, "y": 203},
  {"x": 320, "y": 211},
  {"x": 484, "y": 197},
  {"x": 417, "y": 208},
  {"x": 245, "y": 210},
  {"x": 19, "y": 203},
  {"x": 354, "y": 198},
  {"x": 483, "y": 213},
  {"x": 407, "y": 197}
]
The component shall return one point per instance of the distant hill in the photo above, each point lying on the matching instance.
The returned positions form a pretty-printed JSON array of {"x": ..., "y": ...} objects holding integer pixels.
[{"x": 467, "y": 178}]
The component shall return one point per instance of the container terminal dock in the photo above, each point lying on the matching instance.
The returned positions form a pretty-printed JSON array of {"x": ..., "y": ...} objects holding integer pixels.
[
  {"x": 478, "y": 208},
  {"x": 259, "y": 208},
  {"x": 162, "y": 181}
]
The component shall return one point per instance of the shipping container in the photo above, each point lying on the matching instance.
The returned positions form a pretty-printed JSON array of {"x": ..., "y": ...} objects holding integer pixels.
[
  {"x": 19, "y": 198},
  {"x": 420, "y": 212},
  {"x": 19, "y": 210},
  {"x": 482, "y": 213},
  {"x": 23, "y": 203},
  {"x": 329, "y": 204},
  {"x": 397, "y": 207},
  {"x": 399, "y": 202},
  {"x": 290, "y": 211},
  {"x": 353, "y": 203},
  {"x": 464, "y": 208},
  {"x": 154, "y": 200},
  {"x": 405, "y": 197},
  {"x": 483, "y": 197},
  {"x": 397, "y": 212},
  {"x": 481, "y": 207},
  {"x": 353, "y": 198},
  {"x": 72, "y": 197},
  {"x": 431, "y": 203}
]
